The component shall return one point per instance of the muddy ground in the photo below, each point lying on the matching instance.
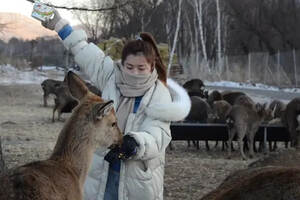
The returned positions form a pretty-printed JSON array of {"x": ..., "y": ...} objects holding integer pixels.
[{"x": 28, "y": 134}]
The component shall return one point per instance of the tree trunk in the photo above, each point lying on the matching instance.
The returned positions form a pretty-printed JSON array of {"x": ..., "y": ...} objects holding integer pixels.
[
  {"x": 220, "y": 63},
  {"x": 295, "y": 67},
  {"x": 175, "y": 37},
  {"x": 249, "y": 67},
  {"x": 2, "y": 164},
  {"x": 199, "y": 13}
]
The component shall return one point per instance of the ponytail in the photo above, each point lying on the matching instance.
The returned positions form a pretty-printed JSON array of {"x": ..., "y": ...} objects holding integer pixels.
[{"x": 159, "y": 65}]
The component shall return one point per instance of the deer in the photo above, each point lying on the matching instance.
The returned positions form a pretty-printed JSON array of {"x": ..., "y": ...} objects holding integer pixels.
[
  {"x": 244, "y": 121},
  {"x": 231, "y": 96},
  {"x": 92, "y": 125},
  {"x": 221, "y": 109},
  {"x": 259, "y": 183},
  {"x": 64, "y": 102}
]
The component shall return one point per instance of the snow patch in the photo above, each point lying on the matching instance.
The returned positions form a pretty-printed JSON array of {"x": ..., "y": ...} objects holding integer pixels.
[
  {"x": 11, "y": 75},
  {"x": 257, "y": 86}
]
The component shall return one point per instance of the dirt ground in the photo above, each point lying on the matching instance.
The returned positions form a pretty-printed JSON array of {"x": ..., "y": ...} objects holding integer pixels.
[{"x": 28, "y": 134}]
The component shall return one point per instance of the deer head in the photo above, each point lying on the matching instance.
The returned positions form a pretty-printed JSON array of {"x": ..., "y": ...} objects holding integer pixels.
[{"x": 99, "y": 114}]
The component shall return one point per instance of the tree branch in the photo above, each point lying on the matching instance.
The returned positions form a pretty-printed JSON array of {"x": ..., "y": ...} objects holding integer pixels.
[{"x": 87, "y": 9}]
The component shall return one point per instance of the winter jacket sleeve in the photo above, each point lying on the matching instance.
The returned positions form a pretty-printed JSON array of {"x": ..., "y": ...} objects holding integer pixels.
[
  {"x": 91, "y": 59},
  {"x": 152, "y": 140},
  {"x": 167, "y": 105}
]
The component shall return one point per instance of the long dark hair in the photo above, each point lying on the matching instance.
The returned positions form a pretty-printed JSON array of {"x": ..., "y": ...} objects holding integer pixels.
[{"x": 146, "y": 45}]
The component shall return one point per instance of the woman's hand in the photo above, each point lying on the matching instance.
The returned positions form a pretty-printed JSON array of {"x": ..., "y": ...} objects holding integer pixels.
[
  {"x": 128, "y": 149},
  {"x": 113, "y": 155},
  {"x": 129, "y": 146},
  {"x": 56, "y": 23}
]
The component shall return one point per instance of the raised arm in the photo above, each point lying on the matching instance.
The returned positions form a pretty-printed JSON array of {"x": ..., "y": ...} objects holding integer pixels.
[{"x": 88, "y": 56}]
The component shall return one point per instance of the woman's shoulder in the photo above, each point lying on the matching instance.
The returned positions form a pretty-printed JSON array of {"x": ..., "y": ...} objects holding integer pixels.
[
  {"x": 169, "y": 103},
  {"x": 161, "y": 93}
]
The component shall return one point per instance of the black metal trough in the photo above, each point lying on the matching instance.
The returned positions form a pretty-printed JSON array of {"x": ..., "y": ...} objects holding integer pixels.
[{"x": 204, "y": 131}]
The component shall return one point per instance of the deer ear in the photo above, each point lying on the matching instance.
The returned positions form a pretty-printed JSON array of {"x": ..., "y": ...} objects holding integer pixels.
[
  {"x": 102, "y": 109},
  {"x": 76, "y": 85}
]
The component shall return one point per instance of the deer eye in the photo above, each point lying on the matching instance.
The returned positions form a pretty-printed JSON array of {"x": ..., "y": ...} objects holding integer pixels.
[{"x": 113, "y": 124}]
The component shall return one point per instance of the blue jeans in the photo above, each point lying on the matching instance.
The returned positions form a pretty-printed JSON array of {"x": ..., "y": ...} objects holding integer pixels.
[{"x": 112, "y": 185}]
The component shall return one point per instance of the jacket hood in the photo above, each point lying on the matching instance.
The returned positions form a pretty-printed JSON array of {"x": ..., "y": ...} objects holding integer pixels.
[{"x": 177, "y": 110}]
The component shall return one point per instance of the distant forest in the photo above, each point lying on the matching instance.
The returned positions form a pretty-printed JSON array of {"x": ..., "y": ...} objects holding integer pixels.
[{"x": 209, "y": 30}]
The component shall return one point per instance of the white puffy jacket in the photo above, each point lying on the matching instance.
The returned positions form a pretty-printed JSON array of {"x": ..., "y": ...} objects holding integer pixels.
[{"x": 141, "y": 178}]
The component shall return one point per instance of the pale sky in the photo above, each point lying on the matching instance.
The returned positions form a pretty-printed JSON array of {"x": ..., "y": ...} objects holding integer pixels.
[{"x": 25, "y": 7}]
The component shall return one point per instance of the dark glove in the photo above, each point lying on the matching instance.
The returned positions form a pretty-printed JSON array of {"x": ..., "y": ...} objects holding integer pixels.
[
  {"x": 113, "y": 155},
  {"x": 129, "y": 147}
]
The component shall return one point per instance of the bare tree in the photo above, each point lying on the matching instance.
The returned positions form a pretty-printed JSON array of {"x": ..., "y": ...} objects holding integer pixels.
[
  {"x": 175, "y": 37},
  {"x": 92, "y": 21},
  {"x": 199, "y": 13},
  {"x": 84, "y": 8},
  {"x": 219, "y": 53}
]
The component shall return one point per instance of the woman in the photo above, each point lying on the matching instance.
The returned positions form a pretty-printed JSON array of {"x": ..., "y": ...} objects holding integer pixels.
[{"x": 145, "y": 105}]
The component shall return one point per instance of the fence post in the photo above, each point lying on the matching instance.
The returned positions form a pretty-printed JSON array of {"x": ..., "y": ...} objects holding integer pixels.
[
  {"x": 249, "y": 67},
  {"x": 278, "y": 68},
  {"x": 265, "y": 68},
  {"x": 295, "y": 67},
  {"x": 226, "y": 65}
]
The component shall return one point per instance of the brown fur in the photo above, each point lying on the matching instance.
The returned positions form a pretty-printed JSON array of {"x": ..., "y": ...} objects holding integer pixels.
[
  {"x": 231, "y": 96},
  {"x": 263, "y": 183},
  {"x": 245, "y": 100},
  {"x": 221, "y": 109},
  {"x": 244, "y": 121},
  {"x": 61, "y": 177}
]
